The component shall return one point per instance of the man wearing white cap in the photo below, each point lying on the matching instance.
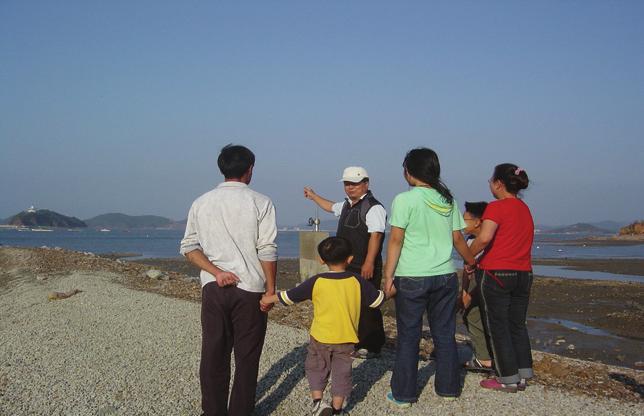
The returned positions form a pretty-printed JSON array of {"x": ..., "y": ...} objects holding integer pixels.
[{"x": 362, "y": 221}]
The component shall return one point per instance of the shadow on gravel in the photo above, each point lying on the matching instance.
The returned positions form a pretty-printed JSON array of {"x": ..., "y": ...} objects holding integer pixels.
[
  {"x": 425, "y": 373},
  {"x": 629, "y": 382},
  {"x": 366, "y": 375},
  {"x": 291, "y": 364}
]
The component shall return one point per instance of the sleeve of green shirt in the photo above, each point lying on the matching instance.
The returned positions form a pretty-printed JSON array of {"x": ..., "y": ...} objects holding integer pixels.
[
  {"x": 458, "y": 223},
  {"x": 399, "y": 212}
]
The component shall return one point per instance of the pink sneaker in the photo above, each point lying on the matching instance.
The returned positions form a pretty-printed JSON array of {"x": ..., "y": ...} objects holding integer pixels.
[{"x": 493, "y": 384}]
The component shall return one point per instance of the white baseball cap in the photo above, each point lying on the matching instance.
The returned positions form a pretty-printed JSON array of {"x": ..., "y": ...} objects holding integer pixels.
[{"x": 354, "y": 174}]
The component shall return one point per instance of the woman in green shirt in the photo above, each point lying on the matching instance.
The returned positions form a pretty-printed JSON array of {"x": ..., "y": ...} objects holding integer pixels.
[{"x": 425, "y": 224}]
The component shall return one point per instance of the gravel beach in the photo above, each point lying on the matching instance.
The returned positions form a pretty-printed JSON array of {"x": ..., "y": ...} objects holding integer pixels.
[{"x": 112, "y": 350}]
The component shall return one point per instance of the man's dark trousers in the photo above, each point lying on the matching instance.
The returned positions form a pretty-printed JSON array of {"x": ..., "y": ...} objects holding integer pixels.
[
  {"x": 371, "y": 332},
  {"x": 230, "y": 320}
]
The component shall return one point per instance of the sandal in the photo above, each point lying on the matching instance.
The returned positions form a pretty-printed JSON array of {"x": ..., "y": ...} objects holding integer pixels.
[{"x": 475, "y": 365}]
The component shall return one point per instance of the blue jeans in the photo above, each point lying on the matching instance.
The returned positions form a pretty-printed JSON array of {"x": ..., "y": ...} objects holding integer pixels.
[{"x": 437, "y": 296}]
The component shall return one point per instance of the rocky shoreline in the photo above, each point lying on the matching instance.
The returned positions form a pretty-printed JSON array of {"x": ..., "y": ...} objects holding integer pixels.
[{"x": 587, "y": 378}]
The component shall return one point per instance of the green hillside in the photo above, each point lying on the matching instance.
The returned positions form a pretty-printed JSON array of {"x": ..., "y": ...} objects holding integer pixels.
[{"x": 45, "y": 218}]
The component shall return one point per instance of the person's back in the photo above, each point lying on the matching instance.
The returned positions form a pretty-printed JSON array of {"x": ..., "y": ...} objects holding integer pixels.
[
  {"x": 425, "y": 224},
  {"x": 230, "y": 236},
  {"x": 337, "y": 296},
  {"x": 429, "y": 222},
  {"x": 220, "y": 214},
  {"x": 511, "y": 247}
]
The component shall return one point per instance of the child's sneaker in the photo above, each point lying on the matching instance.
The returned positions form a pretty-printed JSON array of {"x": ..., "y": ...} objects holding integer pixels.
[
  {"x": 400, "y": 404},
  {"x": 320, "y": 408},
  {"x": 522, "y": 385},
  {"x": 364, "y": 354},
  {"x": 493, "y": 384}
]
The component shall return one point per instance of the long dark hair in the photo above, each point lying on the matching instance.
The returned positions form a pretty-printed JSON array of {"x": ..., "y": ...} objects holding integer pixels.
[
  {"x": 513, "y": 177},
  {"x": 422, "y": 163}
]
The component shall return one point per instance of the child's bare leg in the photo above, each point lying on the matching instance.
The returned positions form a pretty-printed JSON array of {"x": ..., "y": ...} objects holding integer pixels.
[
  {"x": 337, "y": 402},
  {"x": 316, "y": 394}
]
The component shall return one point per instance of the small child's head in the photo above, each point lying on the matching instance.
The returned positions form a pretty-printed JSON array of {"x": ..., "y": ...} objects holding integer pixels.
[
  {"x": 473, "y": 216},
  {"x": 335, "y": 251}
]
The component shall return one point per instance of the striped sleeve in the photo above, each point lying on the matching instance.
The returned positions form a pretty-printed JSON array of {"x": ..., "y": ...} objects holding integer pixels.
[
  {"x": 299, "y": 293},
  {"x": 371, "y": 296}
]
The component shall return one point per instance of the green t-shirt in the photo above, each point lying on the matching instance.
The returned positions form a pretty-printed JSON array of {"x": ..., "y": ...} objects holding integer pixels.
[{"x": 428, "y": 221}]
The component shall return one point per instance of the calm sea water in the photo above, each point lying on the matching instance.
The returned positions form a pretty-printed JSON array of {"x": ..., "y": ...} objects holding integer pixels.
[{"x": 165, "y": 243}]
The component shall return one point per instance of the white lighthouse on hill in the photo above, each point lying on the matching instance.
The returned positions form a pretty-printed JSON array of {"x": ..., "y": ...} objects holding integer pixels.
[{"x": 31, "y": 209}]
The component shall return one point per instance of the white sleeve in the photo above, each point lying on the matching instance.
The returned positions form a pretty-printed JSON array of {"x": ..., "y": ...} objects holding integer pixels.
[
  {"x": 376, "y": 219},
  {"x": 190, "y": 239},
  {"x": 267, "y": 232},
  {"x": 337, "y": 208}
]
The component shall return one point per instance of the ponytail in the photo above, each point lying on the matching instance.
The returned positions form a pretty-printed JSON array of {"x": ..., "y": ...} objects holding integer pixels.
[{"x": 423, "y": 164}]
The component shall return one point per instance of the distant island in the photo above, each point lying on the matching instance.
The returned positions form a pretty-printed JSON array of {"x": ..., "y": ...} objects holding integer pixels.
[
  {"x": 44, "y": 218},
  {"x": 123, "y": 221},
  {"x": 579, "y": 228}
]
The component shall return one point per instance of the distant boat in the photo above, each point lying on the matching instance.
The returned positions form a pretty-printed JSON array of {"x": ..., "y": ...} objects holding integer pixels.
[
  {"x": 105, "y": 230},
  {"x": 42, "y": 230}
]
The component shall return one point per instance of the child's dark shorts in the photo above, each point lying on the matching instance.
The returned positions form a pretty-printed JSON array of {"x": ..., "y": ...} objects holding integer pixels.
[{"x": 334, "y": 359}]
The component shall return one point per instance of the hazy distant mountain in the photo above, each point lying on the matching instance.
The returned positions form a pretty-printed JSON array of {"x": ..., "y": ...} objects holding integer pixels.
[
  {"x": 123, "y": 221},
  {"x": 45, "y": 218},
  {"x": 581, "y": 228},
  {"x": 612, "y": 226}
]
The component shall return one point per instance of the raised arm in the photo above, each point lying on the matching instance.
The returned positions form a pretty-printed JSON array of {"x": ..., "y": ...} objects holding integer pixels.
[
  {"x": 323, "y": 203},
  {"x": 488, "y": 229}
]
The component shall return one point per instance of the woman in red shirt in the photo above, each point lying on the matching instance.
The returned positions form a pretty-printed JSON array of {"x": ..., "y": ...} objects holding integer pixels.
[{"x": 505, "y": 277}]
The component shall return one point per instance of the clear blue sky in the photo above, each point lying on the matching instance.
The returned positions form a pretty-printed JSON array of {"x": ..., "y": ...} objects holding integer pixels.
[{"x": 122, "y": 106}]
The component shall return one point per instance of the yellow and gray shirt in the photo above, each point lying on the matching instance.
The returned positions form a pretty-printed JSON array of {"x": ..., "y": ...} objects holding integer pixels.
[{"x": 337, "y": 297}]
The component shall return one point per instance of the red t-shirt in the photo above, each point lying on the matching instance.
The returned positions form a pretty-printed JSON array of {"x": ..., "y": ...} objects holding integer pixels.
[{"x": 511, "y": 247}]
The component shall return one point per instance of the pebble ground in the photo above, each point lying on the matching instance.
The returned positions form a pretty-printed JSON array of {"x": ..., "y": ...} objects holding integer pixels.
[{"x": 110, "y": 350}]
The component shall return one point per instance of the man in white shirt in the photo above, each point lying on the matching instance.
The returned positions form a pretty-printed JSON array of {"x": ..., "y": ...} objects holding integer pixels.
[
  {"x": 362, "y": 221},
  {"x": 230, "y": 236}
]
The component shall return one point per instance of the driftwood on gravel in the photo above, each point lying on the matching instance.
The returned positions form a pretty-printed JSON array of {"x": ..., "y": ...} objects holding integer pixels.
[{"x": 62, "y": 295}]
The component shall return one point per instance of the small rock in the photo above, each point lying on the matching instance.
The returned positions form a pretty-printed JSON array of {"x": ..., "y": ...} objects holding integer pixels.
[
  {"x": 41, "y": 278},
  {"x": 639, "y": 364},
  {"x": 108, "y": 410},
  {"x": 165, "y": 277},
  {"x": 571, "y": 347},
  {"x": 62, "y": 295},
  {"x": 154, "y": 274}
]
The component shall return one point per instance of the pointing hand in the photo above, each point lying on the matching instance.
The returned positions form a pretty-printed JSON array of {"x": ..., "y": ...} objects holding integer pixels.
[{"x": 309, "y": 193}]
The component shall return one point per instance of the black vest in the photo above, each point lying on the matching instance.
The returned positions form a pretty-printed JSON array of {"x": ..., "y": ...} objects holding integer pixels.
[{"x": 353, "y": 226}]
